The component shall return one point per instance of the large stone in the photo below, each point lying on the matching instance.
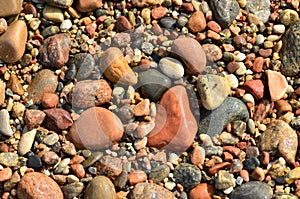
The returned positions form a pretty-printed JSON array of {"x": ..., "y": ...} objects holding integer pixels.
[
  {"x": 45, "y": 81},
  {"x": 100, "y": 188},
  {"x": 59, "y": 3},
  {"x": 191, "y": 53},
  {"x": 12, "y": 42},
  {"x": 175, "y": 126},
  {"x": 252, "y": 190},
  {"x": 277, "y": 84},
  {"x": 57, "y": 119},
  {"x": 280, "y": 138},
  {"x": 55, "y": 50},
  {"x": 260, "y": 8},
  {"x": 116, "y": 68},
  {"x": 37, "y": 185},
  {"x": 96, "y": 128},
  {"x": 10, "y": 7},
  {"x": 88, "y": 5},
  {"x": 151, "y": 190}
]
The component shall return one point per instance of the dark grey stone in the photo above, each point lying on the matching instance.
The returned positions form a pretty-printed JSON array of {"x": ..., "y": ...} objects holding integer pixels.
[
  {"x": 159, "y": 173},
  {"x": 168, "y": 22},
  {"x": 187, "y": 175},
  {"x": 84, "y": 63},
  {"x": 252, "y": 190}
]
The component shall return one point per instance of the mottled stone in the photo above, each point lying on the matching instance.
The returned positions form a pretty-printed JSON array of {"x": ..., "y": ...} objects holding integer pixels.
[
  {"x": 252, "y": 190},
  {"x": 213, "y": 52},
  {"x": 288, "y": 17},
  {"x": 260, "y": 8},
  {"x": 57, "y": 119},
  {"x": 187, "y": 175},
  {"x": 84, "y": 63},
  {"x": 60, "y": 3},
  {"x": 159, "y": 173},
  {"x": 9, "y": 7},
  {"x": 100, "y": 188},
  {"x": 145, "y": 3},
  {"x": 256, "y": 88},
  {"x": 277, "y": 83},
  {"x": 224, "y": 180},
  {"x": 88, "y": 5},
  {"x": 34, "y": 118},
  {"x": 50, "y": 100},
  {"x": 147, "y": 191},
  {"x": 5, "y": 174},
  {"x": 5, "y": 128},
  {"x": 292, "y": 175},
  {"x": 72, "y": 190},
  {"x": 136, "y": 177},
  {"x": 197, "y": 22},
  {"x": 280, "y": 138},
  {"x": 9, "y": 159}
]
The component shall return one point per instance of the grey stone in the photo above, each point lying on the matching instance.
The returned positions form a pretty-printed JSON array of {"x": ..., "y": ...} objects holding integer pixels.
[
  {"x": 187, "y": 175},
  {"x": 260, "y": 8},
  {"x": 159, "y": 173},
  {"x": 252, "y": 190},
  {"x": 72, "y": 190},
  {"x": 5, "y": 128},
  {"x": 84, "y": 63}
]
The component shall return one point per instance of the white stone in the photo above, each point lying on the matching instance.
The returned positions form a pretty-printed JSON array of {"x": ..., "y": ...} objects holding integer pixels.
[
  {"x": 171, "y": 67},
  {"x": 5, "y": 128},
  {"x": 26, "y": 141}
]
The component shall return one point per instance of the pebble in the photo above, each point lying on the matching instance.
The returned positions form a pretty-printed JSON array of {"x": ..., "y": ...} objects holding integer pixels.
[
  {"x": 213, "y": 90},
  {"x": 278, "y": 28},
  {"x": 88, "y": 5},
  {"x": 15, "y": 85},
  {"x": 57, "y": 119},
  {"x": 60, "y": 3},
  {"x": 159, "y": 173},
  {"x": 90, "y": 93},
  {"x": 197, "y": 22},
  {"x": 34, "y": 162},
  {"x": 282, "y": 107},
  {"x": 260, "y": 8},
  {"x": 8, "y": 8},
  {"x": 85, "y": 64},
  {"x": 188, "y": 175},
  {"x": 136, "y": 177},
  {"x": 198, "y": 156},
  {"x": 50, "y": 158},
  {"x": 213, "y": 52},
  {"x": 152, "y": 84},
  {"x": 34, "y": 118},
  {"x": 171, "y": 67},
  {"x": 202, "y": 191},
  {"x": 277, "y": 84},
  {"x": 168, "y": 22},
  {"x": 78, "y": 170},
  {"x": 96, "y": 128},
  {"x": 123, "y": 24},
  {"x": 69, "y": 148},
  {"x": 288, "y": 17},
  {"x": 51, "y": 139},
  {"x": 2, "y": 92},
  {"x": 45, "y": 81},
  {"x": 100, "y": 187},
  {"x": 252, "y": 190},
  {"x": 3, "y": 26},
  {"x": 280, "y": 138},
  {"x": 149, "y": 190},
  {"x": 5, "y": 128},
  {"x": 292, "y": 175},
  {"x": 224, "y": 180},
  {"x": 66, "y": 25},
  {"x": 38, "y": 185},
  {"x": 13, "y": 41},
  {"x": 26, "y": 142},
  {"x": 145, "y": 3},
  {"x": 5, "y": 174},
  {"x": 9, "y": 159},
  {"x": 54, "y": 14},
  {"x": 49, "y": 100},
  {"x": 256, "y": 88},
  {"x": 192, "y": 55},
  {"x": 72, "y": 190},
  {"x": 225, "y": 11},
  {"x": 55, "y": 50},
  {"x": 159, "y": 12},
  {"x": 110, "y": 166},
  {"x": 258, "y": 64},
  {"x": 142, "y": 108},
  {"x": 116, "y": 68},
  {"x": 175, "y": 126},
  {"x": 213, "y": 122}
]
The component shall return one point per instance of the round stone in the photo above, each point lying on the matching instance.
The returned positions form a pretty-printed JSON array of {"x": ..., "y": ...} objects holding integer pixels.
[{"x": 171, "y": 67}]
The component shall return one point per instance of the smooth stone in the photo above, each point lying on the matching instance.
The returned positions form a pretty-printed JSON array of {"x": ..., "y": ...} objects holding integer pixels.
[
  {"x": 213, "y": 122},
  {"x": 136, "y": 177},
  {"x": 54, "y": 14},
  {"x": 15, "y": 85},
  {"x": 175, "y": 126},
  {"x": 54, "y": 53},
  {"x": 85, "y": 64},
  {"x": 115, "y": 67},
  {"x": 213, "y": 90},
  {"x": 252, "y": 190},
  {"x": 191, "y": 54},
  {"x": 256, "y": 88},
  {"x": 225, "y": 11},
  {"x": 188, "y": 175},
  {"x": 38, "y": 185},
  {"x": 26, "y": 142},
  {"x": 51, "y": 139},
  {"x": 34, "y": 161},
  {"x": 57, "y": 119},
  {"x": 88, "y": 5},
  {"x": 45, "y": 81},
  {"x": 288, "y": 17},
  {"x": 96, "y": 128},
  {"x": 159, "y": 173},
  {"x": 152, "y": 84},
  {"x": 9, "y": 159},
  {"x": 197, "y": 22},
  {"x": 213, "y": 52},
  {"x": 260, "y": 8},
  {"x": 5, "y": 128},
  {"x": 66, "y": 25},
  {"x": 34, "y": 118},
  {"x": 168, "y": 22},
  {"x": 150, "y": 190},
  {"x": 5, "y": 174},
  {"x": 292, "y": 175},
  {"x": 2, "y": 92},
  {"x": 171, "y": 67},
  {"x": 277, "y": 83},
  {"x": 9, "y": 7},
  {"x": 3, "y": 26},
  {"x": 123, "y": 24},
  {"x": 12, "y": 42},
  {"x": 89, "y": 93},
  {"x": 202, "y": 190},
  {"x": 59, "y": 3},
  {"x": 280, "y": 138},
  {"x": 72, "y": 190},
  {"x": 100, "y": 187}
]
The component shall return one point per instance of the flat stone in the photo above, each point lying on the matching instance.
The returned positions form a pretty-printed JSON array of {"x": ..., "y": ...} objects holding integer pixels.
[
  {"x": 26, "y": 141},
  {"x": 54, "y": 53},
  {"x": 34, "y": 118},
  {"x": 15, "y": 85},
  {"x": 38, "y": 185},
  {"x": 54, "y": 14},
  {"x": 45, "y": 81},
  {"x": 13, "y": 41},
  {"x": 96, "y": 128},
  {"x": 115, "y": 67},
  {"x": 191, "y": 54},
  {"x": 204, "y": 190},
  {"x": 197, "y": 22},
  {"x": 252, "y": 190},
  {"x": 280, "y": 138},
  {"x": 9, "y": 159},
  {"x": 175, "y": 126},
  {"x": 256, "y": 88},
  {"x": 213, "y": 90},
  {"x": 89, "y": 93},
  {"x": 8, "y": 7},
  {"x": 100, "y": 187},
  {"x": 171, "y": 67},
  {"x": 5, "y": 128},
  {"x": 277, "y": 83},
  {"x": 213, "y": 122},
  {"x": 149, "y": 190},
  {"x": 188, "y": 175},
  {"x": 88, "y": 5},
  {"x": 260, "y": 8},
  {"x": 57, "y": 119},
  {"x": 60, "y": 3}
]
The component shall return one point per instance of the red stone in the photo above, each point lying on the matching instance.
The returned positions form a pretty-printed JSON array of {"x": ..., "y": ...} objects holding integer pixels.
[
  {"x": 5, "y": 174},
  {"x": 233, "y": 66},
  {"x": 137, "y": 177},
  {"x": 202, "y": 191},
  {"x": 197, "y": 22},
  {"x": 78, "y": 170},
  {"x": 258, "y": 64},
  {"x": 214, "y": 26},
  {"x": 256, "y": 88},
  {"x": 49, "y": 100},
  {"x": 122, "y": 24},
  {"x": 57, "y": 119},
  {"x": 159, "y": 12},
  {"x": 34, "y": 118},
  {"x": 277, "y": 84},
  {"x": 88, "y": 5}
]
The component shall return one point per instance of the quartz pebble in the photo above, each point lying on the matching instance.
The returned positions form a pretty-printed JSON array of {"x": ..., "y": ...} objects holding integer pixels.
[
  {"x": 171, "y": 67},
  {"x": 5, "y": 128}
]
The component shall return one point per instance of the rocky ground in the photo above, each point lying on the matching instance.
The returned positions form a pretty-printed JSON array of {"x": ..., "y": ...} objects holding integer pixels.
[{"x": 149, "y": 99}]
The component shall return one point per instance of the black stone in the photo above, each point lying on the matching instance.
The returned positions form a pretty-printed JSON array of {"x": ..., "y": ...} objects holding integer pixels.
[
  {"x": 252, "y": 190},
  {"x": 71, "y": 72},
  {"x": 168, "y": 22},
  {"x": 250, "y": 164},
  {"x": 187, "y": 175},
  {"x": 34, "y": 162}
]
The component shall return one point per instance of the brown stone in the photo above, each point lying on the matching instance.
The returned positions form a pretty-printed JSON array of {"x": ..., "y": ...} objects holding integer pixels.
[
  {"x": 191, "y": 53},
  {"x": 34, "y": 118},
  {"x": 159, "y": 12},
  {"x": 258, "y": 64},
  {"x": 213, "y": 52},
  {"x": 277, "y": 84},
  {"x": 110, "y": 166},
  {"x": 197, "y": 22},
  {"x": 49, "y": 100},
  {"x": 265, "y": 52},
  {"x": 198, "y": 155},
  {"x": 214, "y": 26},
  {"x": 38, "y": 186},
  {"x": 142, "y": 108},
  {"x": 15, "y": 85},
  {"x": 122, "y": 24},
  {"x": 149, "y": 190},
  {"x": 2, "y": 92},
  {"x": 55, "y": 50},
  {"x": 88, "y": 5},
  {"x": 89, "y": 93},
  {"x": 202, "y": 191},
  {"x": 5, "y": 174},
  {"x": 100, "y": 187},
  {"x": 233, "y": 66},
  {"x": 116, "y": 68},
  {"x": 145, "y": 3},
  {"x": 255, "y": 87},
  {"x": 175, "y": 126},
  {"x": 239, "y": 41},
  {"x": 282, "y": 107},
  {"x": 57, "y": 119},
  {"x": 136, "y": 177},
  {"x": 9, "y": 7},
  {"x": 96, "y": 128},
  {"x": 12, "y": 42},
  {"x": 263, "y": 109},
  {"x": 78, "y": 170}
]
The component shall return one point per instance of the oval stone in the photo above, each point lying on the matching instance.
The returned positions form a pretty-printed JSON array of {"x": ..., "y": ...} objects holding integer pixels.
[
  {"x": 100, "y": 188},
  {"x": 171, "y": 67},
  {"x": 149, "y": 190},
  {"x": 252, "y": 190}
]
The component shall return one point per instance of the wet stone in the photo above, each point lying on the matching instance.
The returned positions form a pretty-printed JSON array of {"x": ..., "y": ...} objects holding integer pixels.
[
  {"x": 72, "y": 190},
  {"x": 252, "y": 190},
  {"x": 187, "y": 175},
  {"x": 84, "y": 63},
  {"x": 57, "y": 119}
]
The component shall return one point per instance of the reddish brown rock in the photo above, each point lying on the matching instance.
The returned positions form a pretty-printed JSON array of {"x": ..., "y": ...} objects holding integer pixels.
[
  {"x": 142, "y": 108},
  {"x": 9, "y": 7},
  {"x": 265, "y": 52},
  {"x": 89, "y": 93},
  {"x": 15, "y": 85},
  {"x": 277, "y": 84},
  {"x": 159, "y": 12},
  {"x": 256, "y": 88},
  {"x": 78, "y": 170},
  {"x": 233, "y": 66},
  {"x": 262, "y": 109},
  {"x": 88, "y": 5},
  {"x": 214, "y": 26},
  {"x": 175, "y": 126},
  {"x": 49, "y": 100},
  {"x": 258, "y": 64},
  {"x": 282, "y": 106},
  {"x": 2, "y": 92},
  {"x": 122, "y": 24},
  {"x": 197, "y": 22},
  {"x": 202, "y": 191},
  {"x": 13, "y": 41},
  {"x": 34, "y": 118},
  {"x": 37, "y": 185},
  {"x": 110, "y": 166},
  {"x": 96, "y": 128},
  {"x": 5, "y": 174},
  {"x": 57, "y": 119},
  {"x": 191, "y": 53},
  {"x": 239, "y": 41},
  {"x": 55, "y": 50},
  {"x": 198, "y": 155},
  {"x": 136, "y": 177},
  {"x": 148, "y": 190}
]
